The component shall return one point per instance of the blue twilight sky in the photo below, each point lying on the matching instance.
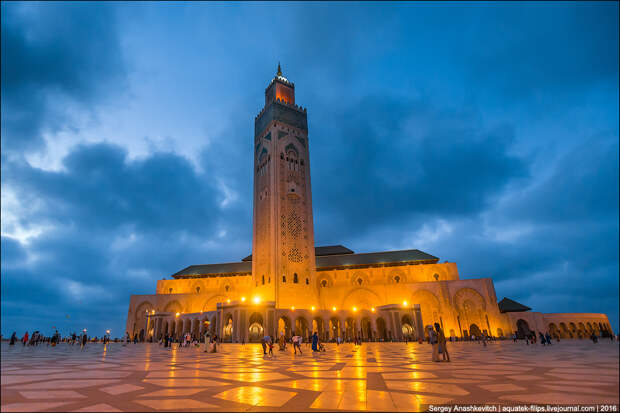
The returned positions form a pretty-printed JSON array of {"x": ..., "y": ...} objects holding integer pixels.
[{"x": 482, "y": 133}]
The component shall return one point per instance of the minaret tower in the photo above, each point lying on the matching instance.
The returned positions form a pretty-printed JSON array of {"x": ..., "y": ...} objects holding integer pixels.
[{"x": 283, "y": 262}]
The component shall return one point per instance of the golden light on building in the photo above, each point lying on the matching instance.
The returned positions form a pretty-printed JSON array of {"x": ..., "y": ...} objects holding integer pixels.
[{"x": 267, "y": 224}]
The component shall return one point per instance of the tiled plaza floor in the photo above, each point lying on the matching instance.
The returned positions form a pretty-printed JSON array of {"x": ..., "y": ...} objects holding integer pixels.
[{"x": 389, "y": 377}]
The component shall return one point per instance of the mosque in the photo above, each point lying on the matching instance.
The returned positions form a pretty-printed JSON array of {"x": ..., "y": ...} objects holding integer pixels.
[{"x": 290, "y": 285}]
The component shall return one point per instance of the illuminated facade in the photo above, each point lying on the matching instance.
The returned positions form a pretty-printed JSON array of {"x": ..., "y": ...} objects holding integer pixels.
[{"x": 289, "y": 285}]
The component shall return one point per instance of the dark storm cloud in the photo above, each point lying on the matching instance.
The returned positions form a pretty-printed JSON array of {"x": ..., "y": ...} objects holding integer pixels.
[
  {"x": 118, "y": 225},
  {"x": 555, "y": 49},
  {"x": 101, "y": 190},
  {"x": 50, "y": 53},
  {"x": 400, "y": 161}
]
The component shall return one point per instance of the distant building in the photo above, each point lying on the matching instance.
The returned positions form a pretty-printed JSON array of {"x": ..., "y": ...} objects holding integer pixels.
[{"x": 289, "y": 285}]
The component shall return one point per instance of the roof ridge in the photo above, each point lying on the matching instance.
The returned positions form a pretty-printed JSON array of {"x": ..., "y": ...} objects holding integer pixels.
[{"x": 385, "y": 252}]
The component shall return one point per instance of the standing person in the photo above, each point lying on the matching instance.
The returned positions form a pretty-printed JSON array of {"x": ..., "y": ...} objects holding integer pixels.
[
  {"x": 207, "y": 338},
  {"x": 543, "y": 340},
  {"x": 296, "y": 343},
  {"x": 432, "y": 338},
  {"x": 13, "y": 339},
  {"x": 25, "y": 339},
  {"x": 315, "y": 342},
  {"x": 214, "y": 339},
  {"x": 270, "y": 344},
  {"x": 263, "y": 343},
  {"x": 548, "y": 338},
  {"x": 83, "y": 341},
  {"x": 441, "y": 339}
]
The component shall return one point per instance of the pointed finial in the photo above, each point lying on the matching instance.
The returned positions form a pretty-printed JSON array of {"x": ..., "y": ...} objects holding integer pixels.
[{"x": 279, "y": 70}]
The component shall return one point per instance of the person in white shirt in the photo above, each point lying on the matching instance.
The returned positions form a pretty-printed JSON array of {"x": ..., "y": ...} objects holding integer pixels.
[{"x": 297, "y": 343}]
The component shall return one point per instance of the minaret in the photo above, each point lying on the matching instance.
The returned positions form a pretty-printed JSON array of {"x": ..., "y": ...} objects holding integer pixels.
[{"x": 283, "y": 262}]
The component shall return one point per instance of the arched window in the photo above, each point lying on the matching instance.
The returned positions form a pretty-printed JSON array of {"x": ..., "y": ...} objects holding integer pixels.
[
  {"x": 269, "y": 279},
  {"x": 436, "y": 277},
  {"x": 324, "y": 283},
  {"x": 281, "y": 155},
  {"x": 307, "y": 281},
  {"x": 170, "y": 290},
  {"x": 263, "y": 280},
  {"x": 227, "y": 288},
  {"x": 397, "y": 279},
  {"x": 360, "y": 281},
  {"x": 197, "y": 290},
  {"x": 295, "y": 279},
  {"x": 284, "y": 278}
]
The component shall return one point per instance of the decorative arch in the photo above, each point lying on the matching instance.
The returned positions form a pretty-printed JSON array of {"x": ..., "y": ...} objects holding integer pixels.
[
  {"x": 140, "y": 316},
  {"x": 262, "y": 155},
  {"x": 469, "y": 294},
  {"x": 435, "y": 273},
  {"x": 197, "y": 287},
  {"x": 291, "y": 148},
  {"x": 173, "y": 307},
  {"x": 362, "y": 298},
  {"x": 397, "y": 276},
  {"x": 429, "y": 306},
  {"x": 324, "y": 281},
  {"x": 144, "y": 305},
  {"x": 226, "y": 286},
  {"x": 211, "y": 303},
  {"x": 360, "y": 278}
]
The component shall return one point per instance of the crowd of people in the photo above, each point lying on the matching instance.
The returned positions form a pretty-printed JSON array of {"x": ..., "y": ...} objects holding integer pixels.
[
  {"x": 36, "y": 339},
  {"x": 434, "y": 335}
]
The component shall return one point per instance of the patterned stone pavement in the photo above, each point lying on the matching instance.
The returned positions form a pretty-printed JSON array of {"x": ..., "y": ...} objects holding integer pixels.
[{"x": 375, "y": 376}]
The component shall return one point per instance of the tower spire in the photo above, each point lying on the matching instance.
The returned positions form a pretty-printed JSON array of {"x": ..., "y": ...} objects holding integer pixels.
[{"x": 279, "y": 70}]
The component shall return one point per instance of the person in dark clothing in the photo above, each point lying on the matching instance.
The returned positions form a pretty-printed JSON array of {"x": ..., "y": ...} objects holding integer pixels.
[
  {"x": 548, "y": 337},
  {"x": 13, "y": 338}
]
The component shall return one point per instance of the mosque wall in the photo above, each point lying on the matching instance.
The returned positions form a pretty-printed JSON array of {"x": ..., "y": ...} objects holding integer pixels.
[{"x": 562, "y": 325}]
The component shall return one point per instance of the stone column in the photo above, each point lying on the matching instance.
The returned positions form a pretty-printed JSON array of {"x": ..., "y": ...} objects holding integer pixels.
[
  {"x": 236, "y": 326},
  {"x": 419, "y": 328}
]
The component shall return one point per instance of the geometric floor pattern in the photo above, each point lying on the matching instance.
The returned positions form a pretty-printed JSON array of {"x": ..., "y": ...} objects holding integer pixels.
[{"x": 374, "y": 376}]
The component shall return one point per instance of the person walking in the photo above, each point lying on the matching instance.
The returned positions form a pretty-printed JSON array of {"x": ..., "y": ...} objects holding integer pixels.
[
  {"x": 25, "y": 339},
  {"x": 432, "y": 339},
  {"x": 296, "y": 343},
  {"x": 13, "y": 339},
  {"x": 441, "y": 339},
  {"x": 543, "y": 340}
]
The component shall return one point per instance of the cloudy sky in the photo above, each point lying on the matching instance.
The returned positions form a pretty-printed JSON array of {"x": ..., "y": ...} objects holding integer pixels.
[{"x": 484, "y": 134}]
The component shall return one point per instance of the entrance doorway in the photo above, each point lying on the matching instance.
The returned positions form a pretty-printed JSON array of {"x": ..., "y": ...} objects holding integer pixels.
[{"x": 256, "y": 328}]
